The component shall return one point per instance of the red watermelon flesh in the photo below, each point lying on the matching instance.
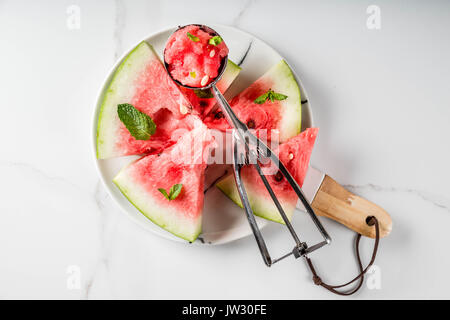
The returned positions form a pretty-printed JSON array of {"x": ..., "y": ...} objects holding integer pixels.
[
  {"x": 294, "y": 154},
  {"x": 265, "y": 116},
  {"x": 164, "y": 109},
  {"x": 140, "y": 181},
  {"x": 167, "y": 125},
  {"x": 155, "y": 90}
]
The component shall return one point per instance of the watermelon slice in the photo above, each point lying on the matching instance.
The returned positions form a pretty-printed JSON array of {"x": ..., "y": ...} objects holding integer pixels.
[
  {"x": 142, "y": 81},
  {"x": 140, "y": 181},
  {"x": 294, "y": 154},
  {"x": 284, "y": 116}
]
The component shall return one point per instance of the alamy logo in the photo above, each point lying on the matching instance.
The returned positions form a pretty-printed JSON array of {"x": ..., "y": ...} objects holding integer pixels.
[
  {"x": 374, "y": 18},
  {"x": 374, "y": 278},
  {"x": 74, "y": 278},
  {"x": 73, "y": 21}
]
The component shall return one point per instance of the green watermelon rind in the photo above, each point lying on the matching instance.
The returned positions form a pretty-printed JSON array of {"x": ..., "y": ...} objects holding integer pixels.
[
  {"x": 130, "y": 190},
  {"x": 286, "y": 83},
  {"x": 140, "y": 55},
  {"x": 231, "y": 72},
  {"x": 262, "y": 206}
]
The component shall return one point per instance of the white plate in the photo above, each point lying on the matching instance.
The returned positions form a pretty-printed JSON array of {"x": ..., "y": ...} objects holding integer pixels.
[{"x": 223, "y": 221}]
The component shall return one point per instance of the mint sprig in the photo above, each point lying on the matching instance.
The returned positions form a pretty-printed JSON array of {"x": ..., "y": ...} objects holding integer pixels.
[
  {"x": 192, "y": 37},
  {"x": 174, "y": 191},
  {"x": 270, "y": 95},
  {"x": 140, "y": 125},
  {"x": 215, "y": 41}
]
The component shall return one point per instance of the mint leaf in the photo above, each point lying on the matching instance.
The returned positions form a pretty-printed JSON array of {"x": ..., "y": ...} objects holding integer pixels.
[
  {"x": 140, "y": 125},
  {"x": 175, "y": 191},
  {"x": 204, "y": 94},
  {"x": 279, "y": 96},
  {"x": 216, "y": 40},
  {"x": 164, "y": 192},
  {"x": 262, "y": 98},
  {"x": 270, "y": 95},
  {"x": 192, "y": 37}
]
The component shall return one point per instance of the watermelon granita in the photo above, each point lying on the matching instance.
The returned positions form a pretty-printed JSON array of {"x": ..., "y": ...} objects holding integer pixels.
[
  {"x": 294, "y": 154},
  {"x": 142, "y": 81},
  {"x": 194, "y": 55},
  {"x": 146, "y": 183},
  {"x": 282, "y": 115}
]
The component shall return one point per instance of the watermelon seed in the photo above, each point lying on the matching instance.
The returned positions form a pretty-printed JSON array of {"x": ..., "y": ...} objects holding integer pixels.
[
  {"x": 212, "y": 53},
  {"x": 219, "y": 115},
  {"x": 204, "y": 81},
  {"x": 251, "y": 124},
  {"x": 291, "y": 156},
  {"x": 183, "y": 109},
  {"x": 279, "y": 176}
]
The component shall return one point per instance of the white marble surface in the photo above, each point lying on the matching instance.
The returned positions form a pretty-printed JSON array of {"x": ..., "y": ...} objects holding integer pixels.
[{"x": 380, "y": 97}]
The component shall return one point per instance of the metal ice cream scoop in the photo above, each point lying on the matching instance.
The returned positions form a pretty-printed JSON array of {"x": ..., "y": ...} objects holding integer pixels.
[{"x": 248, "y": 149}]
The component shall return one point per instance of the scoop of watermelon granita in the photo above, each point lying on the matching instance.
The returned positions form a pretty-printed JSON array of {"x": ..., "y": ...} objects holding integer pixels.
[{"x": 194, "y": 55}]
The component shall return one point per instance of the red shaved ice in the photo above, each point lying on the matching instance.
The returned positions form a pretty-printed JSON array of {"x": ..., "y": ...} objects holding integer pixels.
[{"x": 191, "y": 59}]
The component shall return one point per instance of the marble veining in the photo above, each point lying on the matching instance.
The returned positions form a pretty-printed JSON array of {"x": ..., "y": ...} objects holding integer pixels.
[
  {"x": 119, "y": 25},
  {"x": 241, "y": 61},
  {"x": 247, "y": 4},
  {"x": 101, "y": 197},
  {"x": 23, "y": 166},
  {"x": 437, "y": 200}
]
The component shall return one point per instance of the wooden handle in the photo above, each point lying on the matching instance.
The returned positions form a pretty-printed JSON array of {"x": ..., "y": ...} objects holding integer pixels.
[{"x": 335, "y": 202}]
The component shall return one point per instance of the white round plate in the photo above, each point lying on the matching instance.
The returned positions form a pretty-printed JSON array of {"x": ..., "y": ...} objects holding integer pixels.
[{"x": 223, "y": 221}]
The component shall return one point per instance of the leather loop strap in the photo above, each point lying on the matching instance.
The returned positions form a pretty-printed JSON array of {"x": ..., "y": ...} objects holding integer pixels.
[{"x": 318, "y": 281}]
